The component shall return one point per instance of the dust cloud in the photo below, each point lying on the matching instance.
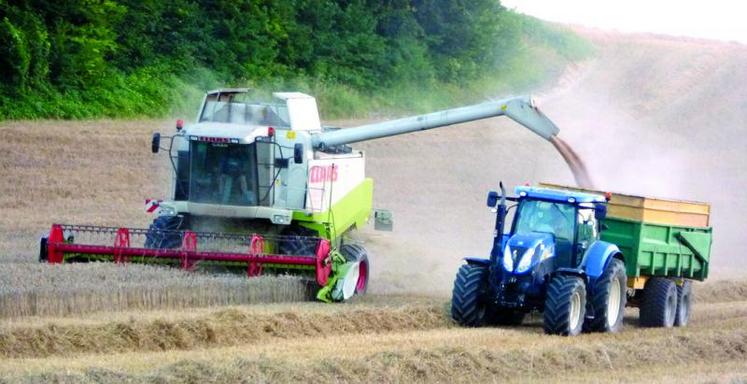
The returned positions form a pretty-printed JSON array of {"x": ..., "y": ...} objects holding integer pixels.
[{"x": 650, "y": 115}]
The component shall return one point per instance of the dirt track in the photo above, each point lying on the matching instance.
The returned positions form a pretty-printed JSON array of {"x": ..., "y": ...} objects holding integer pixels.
[{"x": 650, "y": 116}]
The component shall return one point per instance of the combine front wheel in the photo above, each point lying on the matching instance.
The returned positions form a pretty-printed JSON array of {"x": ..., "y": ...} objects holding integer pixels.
[
  {"x": 356, "y": 253},
  {"x": 163, "y": 233}
]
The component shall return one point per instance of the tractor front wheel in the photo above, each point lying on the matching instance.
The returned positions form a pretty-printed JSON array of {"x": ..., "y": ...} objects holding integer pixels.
[
  {"x": 565, "y": 306},
  {"x": 467, "y": 304},
  {"x": 608, "y": 299}
]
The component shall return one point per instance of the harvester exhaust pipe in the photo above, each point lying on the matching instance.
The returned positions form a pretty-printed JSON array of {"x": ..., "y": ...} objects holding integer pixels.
[{"x": 523, "y": 110}]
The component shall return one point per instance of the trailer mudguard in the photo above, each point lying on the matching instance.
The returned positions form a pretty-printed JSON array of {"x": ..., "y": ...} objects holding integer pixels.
[{"x": 597, "y": 257}]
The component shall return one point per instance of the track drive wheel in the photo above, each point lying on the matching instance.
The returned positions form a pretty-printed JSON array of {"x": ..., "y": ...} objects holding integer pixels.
[{"x": 467, "y": 301}]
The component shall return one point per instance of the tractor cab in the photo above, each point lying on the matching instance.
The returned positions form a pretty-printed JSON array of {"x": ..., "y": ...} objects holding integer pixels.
[{"x": 551, "y": 224}]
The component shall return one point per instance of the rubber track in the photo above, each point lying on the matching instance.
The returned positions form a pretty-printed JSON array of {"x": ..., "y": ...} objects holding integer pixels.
[
  {"x": 600, "y": 296},
  {"x": 558, "y": 305},
  {"x": 465, "y": 299},
  {"x": 653, "y": 308}
]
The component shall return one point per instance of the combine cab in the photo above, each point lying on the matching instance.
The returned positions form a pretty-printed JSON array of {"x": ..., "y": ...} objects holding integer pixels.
[{"x": 262, "y": 187}]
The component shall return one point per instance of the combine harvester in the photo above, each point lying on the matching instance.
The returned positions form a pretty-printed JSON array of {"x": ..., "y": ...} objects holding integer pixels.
[
  {"x": 261, "y": 187},
  {"x": 581, "y": 255}
]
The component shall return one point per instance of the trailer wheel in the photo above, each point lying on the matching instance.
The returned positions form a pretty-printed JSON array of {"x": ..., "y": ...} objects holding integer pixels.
[
  {"x": 467, "y": 305},
  {"x": 684, "y": 298},
  {"x": 355, "y": 252},
  {"x": 565, "y": 306},
  {"x": 162, "y": 233},
  {"x": 608, "y": 299},
  {"x": 659, "y": 307}
]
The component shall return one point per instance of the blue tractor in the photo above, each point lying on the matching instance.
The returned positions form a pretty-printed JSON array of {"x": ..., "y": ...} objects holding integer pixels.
[{"x": 551, "y": 260}]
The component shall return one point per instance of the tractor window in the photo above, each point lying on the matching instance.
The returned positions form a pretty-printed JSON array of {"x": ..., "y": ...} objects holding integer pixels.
[
  {"x": 548, "y": 217},
  {"x": 223, "y": 173}
]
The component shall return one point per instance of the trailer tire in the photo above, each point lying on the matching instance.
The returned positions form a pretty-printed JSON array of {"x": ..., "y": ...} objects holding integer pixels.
[
  {"x": 608, "y": 299},
  {"x": 659, "y": 306},
  {"x": 565, "y": 306},
  {"x": 353, "y": 253},
  {"x": 467, "y": 304},
  {"x": 684, "y": 301},
  {"x": 162, "y": 233},
  {"x": 298, "y": 241}
]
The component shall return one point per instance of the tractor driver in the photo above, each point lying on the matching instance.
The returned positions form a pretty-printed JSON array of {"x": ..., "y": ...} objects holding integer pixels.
[
  {"x": 231, "y": 170},
  {"x": 553, "y": 219}
]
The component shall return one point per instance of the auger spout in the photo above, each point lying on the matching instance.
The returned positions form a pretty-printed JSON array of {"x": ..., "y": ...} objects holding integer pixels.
[{"x": 523, "y": 110}]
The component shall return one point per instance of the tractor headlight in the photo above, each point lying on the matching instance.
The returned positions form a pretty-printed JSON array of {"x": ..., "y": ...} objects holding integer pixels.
[
  {"x": 526, "y": 261},
  {"x": 508, "y": 262}
]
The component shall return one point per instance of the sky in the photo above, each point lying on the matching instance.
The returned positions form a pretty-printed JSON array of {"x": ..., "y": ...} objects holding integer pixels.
[{"x": 712, "y": 19}]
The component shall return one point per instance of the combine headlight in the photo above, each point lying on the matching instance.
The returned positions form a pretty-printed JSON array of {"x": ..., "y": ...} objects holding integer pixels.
[{"x": 508, "y": 262}]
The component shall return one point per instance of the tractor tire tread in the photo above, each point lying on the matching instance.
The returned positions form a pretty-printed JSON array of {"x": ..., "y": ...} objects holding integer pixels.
[
  {"x": 466, "y": 302},
  {"x": 558, "y": 305}
]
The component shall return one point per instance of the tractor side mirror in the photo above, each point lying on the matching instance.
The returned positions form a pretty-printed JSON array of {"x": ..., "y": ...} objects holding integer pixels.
[
  {"x": 298, "y": 153},
  {"x": 600, "y": 211},
  {"x": 492, "y": 199},
  {"x": 156, "y": 142}
]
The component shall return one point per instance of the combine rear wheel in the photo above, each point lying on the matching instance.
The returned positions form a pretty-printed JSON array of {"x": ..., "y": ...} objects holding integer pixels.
[
  {"x": 684, "y": 297},
  {"x": 608, "y": 299},
  {"x": 659, "y": 307},
  {"x": 467, "y": 305},
  {"x": 565, "y": 306}
]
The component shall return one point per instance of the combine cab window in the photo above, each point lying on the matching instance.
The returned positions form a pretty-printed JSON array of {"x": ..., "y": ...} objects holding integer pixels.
[
  {"x": 223, "y": 173},
  {"x": 237, "y": 108}
]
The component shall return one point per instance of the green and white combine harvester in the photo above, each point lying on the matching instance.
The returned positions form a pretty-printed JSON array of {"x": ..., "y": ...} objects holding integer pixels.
[{"x": 262, "y": 187}]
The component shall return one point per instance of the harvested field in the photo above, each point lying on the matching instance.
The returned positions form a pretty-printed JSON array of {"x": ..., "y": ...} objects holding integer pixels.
[{"x": 128, "y": 323}]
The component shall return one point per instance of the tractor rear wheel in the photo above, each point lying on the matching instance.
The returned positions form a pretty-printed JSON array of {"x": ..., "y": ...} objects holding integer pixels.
[
  {"x": 162, "y": 233},
  {"x": 467, "y": 301},
  {"x": 565, "y": 306},
  {"x": 608, "y": 299},
  {"x": 659, "y": 306},
  {"x": 684, "y": 298},
  {"x": 353, "y": 253}
]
